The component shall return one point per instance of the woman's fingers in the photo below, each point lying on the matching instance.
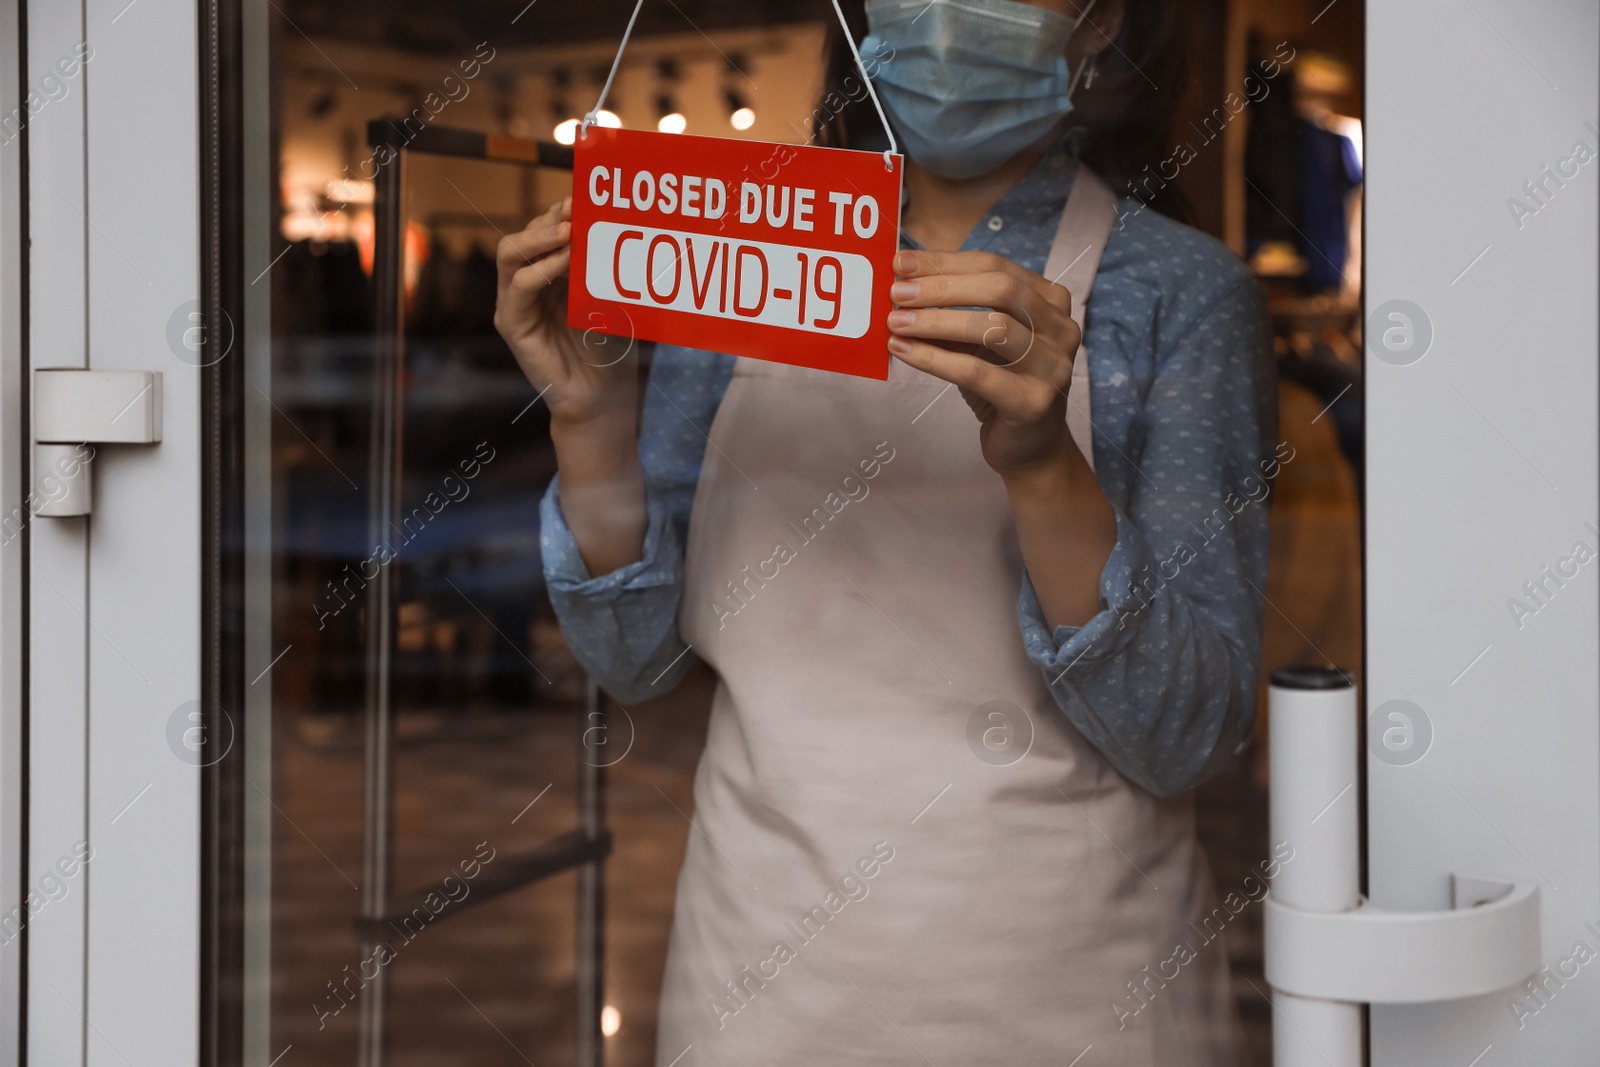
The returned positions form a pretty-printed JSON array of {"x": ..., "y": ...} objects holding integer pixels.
[
  {"x": 1012, "y": 342},
  {"x": 543, "y": 235},
  {"x": 937, "y": 267},
  {"x": 541, "y": 274},
  {"x": 1033, "y": 309},
  {"x": 991, "y": 289},
  {"x": 521, "y": 289},
  {"x": 1015, "y": 396},
  {"x": 536, "y": 241},
  {"x": 1031, "y": 329}
]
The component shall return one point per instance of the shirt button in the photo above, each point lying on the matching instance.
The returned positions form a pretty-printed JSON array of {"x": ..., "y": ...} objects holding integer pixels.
[{"x": 995, "y": 222}]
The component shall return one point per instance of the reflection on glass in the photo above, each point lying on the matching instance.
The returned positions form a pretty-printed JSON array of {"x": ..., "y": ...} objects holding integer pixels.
[{"x": 493, "y": 742}]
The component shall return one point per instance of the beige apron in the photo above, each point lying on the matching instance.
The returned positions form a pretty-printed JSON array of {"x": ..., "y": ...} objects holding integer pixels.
[{"x": 861, "y": 887}]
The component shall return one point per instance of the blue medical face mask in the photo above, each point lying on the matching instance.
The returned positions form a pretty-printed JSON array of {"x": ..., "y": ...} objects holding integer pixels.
[{"x": 970, "y": 83}]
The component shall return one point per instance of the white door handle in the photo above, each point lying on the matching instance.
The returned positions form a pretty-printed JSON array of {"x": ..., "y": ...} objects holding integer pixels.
[{"x": 1327, "y": 950}]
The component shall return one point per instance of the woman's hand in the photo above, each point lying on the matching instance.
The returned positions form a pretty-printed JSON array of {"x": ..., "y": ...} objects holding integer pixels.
[
  {"x": 1013, "y": 363},
  {"x": 590, "y": 381},
  {"x": 585, "y": 376}
]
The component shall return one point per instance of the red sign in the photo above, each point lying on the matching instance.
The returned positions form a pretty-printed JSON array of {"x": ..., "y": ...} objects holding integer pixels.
[{"x": 780, "y": 252}]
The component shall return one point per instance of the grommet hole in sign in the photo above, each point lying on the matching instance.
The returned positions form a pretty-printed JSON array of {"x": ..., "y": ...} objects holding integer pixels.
[{"x": 772, "y": 251}]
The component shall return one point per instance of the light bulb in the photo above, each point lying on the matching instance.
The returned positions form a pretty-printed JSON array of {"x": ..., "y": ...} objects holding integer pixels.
[
  {"x": 742, "y": 119},
  {"x": 673, "y": 123},
  {"x": 567, "y": 131},
  {"x": 608, "y": 119},
  {"x": 610, "y": 1020}
]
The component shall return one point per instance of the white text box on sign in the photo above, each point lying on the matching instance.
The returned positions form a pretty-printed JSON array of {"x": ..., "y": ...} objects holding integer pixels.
[{"x": 814, "y": 290}]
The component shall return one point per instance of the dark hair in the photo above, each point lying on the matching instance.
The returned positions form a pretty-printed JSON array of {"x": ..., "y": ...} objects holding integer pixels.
[{"x": 1146, "y": 71}]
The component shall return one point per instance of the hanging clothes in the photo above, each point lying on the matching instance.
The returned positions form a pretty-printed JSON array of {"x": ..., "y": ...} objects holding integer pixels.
[{"x": 1329, "y": 170}]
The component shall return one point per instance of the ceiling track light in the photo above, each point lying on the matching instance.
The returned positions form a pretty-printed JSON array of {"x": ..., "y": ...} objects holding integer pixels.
[
  {"x": 668, "y": 118},
  {"x": 741, "y": 116}
]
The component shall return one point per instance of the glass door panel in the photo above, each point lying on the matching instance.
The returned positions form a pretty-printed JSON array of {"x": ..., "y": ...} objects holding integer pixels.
[{"x": 421, "y": 726}]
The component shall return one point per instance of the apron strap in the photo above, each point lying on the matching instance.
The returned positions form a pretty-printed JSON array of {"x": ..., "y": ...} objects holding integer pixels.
[{"x": 1081, "y": 237}]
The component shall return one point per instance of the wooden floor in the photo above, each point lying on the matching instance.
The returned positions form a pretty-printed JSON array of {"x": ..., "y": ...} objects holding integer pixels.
[{"x": 494, "y": 984}]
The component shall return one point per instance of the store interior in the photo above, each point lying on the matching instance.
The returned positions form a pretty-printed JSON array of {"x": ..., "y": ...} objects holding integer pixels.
[{"x": 487, "y": 699}]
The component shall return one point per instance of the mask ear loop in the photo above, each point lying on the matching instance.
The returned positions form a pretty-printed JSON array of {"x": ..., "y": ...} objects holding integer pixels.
[
  {"x": 893, "y": 149},
  {"x": 605, "y": 90},
  {"x": 889, "y": 153}
]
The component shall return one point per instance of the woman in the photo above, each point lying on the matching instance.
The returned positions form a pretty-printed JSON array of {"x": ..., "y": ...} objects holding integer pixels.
[{"x": 969, "y": 663}]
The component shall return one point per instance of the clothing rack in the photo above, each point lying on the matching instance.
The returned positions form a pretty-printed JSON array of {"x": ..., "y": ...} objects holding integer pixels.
[{"x": 587, "y": 845}]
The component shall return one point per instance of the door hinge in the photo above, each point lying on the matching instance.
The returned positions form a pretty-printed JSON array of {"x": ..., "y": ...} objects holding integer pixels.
[{"x": 76, "y": 410}]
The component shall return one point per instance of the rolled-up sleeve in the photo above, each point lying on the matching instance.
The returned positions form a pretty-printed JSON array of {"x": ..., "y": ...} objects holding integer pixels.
[
  {"x": 623, "y": 626},
  {"x": 1162, "y": 680}
]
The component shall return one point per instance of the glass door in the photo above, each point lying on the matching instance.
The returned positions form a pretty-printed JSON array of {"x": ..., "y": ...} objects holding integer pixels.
[
  {"x": 414, "y": 723},
  {"x": 312, "y": 766}
]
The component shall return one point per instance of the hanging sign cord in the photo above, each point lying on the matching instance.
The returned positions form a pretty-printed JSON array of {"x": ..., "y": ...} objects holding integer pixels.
[
  {"x": 893, "y": 148},
  {"x": 589, "y": 119},
  {"x": 889, "y": 153}
]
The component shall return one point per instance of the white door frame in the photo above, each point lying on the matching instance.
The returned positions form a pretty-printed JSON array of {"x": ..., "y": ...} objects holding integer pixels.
[
  {"x": 113, "y": 965},
  {"x": 13, "y": 529},
  {"x": 57, "y": 552},
  {"x": 1481, "y": 471}
]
